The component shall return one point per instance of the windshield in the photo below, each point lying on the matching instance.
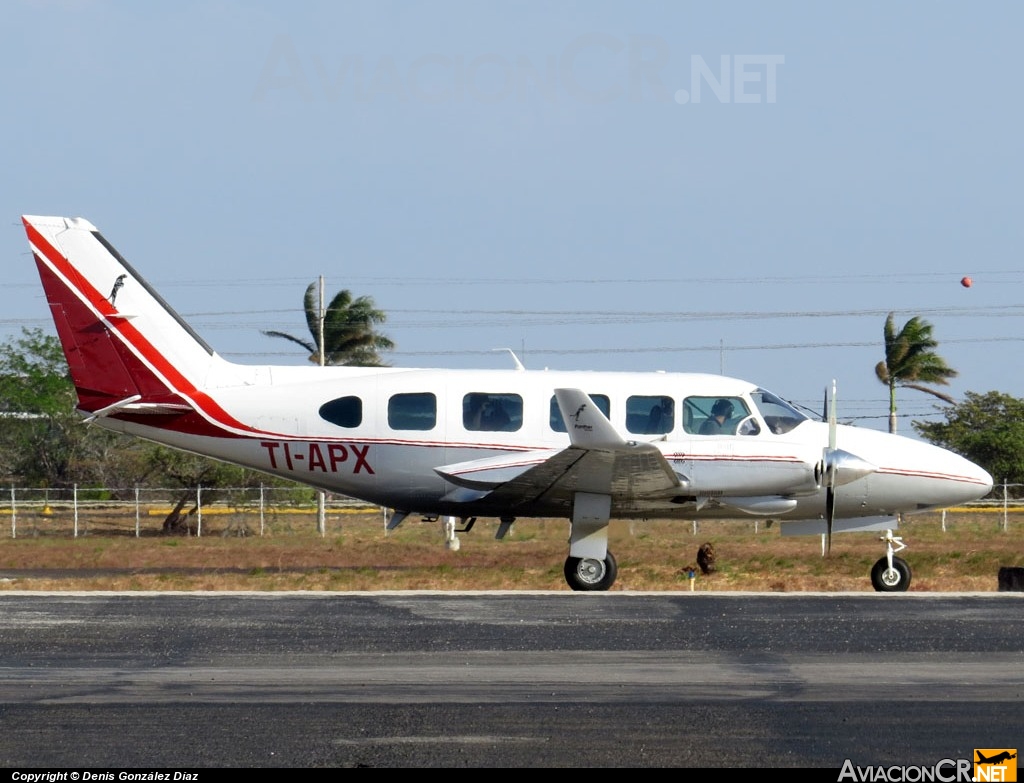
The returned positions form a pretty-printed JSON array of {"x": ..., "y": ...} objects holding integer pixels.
[{"x": 779, "y": 415}]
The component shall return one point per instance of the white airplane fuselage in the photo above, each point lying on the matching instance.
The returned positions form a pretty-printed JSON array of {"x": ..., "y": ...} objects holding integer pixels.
[
  {"x": 395, "y": 467},
  {"x": 588, "y": 446}
]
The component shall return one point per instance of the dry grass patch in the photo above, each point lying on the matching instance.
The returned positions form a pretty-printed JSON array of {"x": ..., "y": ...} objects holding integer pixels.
[{"x": 357, "y": 554}]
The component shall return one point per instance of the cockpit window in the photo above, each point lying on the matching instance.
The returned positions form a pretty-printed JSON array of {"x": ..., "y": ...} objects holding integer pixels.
[
  {"x": 718, "y": 416},
  {"x": 779, "y": 415}
]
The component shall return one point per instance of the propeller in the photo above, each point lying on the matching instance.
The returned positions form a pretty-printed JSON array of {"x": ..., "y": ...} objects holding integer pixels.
[
  {"x": 838, "y": 467},
  {"x": 829, "y": 460}
]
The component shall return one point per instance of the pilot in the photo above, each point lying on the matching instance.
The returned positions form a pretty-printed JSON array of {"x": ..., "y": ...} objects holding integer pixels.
[{"x": 721, "y": 412}]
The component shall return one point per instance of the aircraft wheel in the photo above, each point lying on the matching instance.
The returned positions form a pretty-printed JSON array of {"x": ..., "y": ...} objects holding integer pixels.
[
  {"x": 590, "y": 574},
  {"x": 890, "y": 580}
]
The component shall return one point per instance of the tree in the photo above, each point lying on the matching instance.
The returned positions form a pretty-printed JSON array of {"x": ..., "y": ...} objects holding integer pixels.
[
  {"x": 910, "y": 361},
  {"x": 44, "y": 442},
  {"x": 34, "y": 376},
  {"x": 988, "y": 429},
  {"x": 350, "y": 334},
  {"x": 188, "y": 471},
  {"x": 41, "y": 437}
]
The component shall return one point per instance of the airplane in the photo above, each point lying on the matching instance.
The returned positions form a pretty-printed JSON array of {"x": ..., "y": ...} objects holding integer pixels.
[
  {"x": 505, "y": 444},
  {"x": 996, "y": 759}
]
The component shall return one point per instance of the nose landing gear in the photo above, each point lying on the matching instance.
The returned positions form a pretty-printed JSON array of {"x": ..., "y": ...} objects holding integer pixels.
[{"x": 891, "y": 574}]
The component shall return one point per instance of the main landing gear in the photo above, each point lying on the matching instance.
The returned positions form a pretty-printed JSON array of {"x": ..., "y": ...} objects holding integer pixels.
[
  {"x": 891, "y": 574},
  {"x": 590, "y": 573},
  {"x": 590, "y": 566}
]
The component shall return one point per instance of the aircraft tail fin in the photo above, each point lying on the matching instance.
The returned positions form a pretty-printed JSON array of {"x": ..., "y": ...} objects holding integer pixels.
[{"x": 125, "y": 346}]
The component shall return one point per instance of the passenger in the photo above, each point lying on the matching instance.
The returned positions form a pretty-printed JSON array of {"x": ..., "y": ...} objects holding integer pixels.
[
  {"x": 472, "y": 419},
  {"x": 661, "y": 417},
  {"x": 721, "y": 412},
  {"x": 653, "y": 420},
  {"x": 495, "y": 418}
]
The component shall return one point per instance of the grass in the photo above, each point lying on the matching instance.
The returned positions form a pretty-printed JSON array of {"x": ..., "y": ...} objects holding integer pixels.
[{"x": 357, "y": 554}]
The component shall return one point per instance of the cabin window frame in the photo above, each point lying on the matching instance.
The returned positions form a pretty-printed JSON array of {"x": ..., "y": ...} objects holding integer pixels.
[
  {"x": 641, "y": 418},
  {"x": 492, "y": 411},
  {"x": 405, "y": 408},
  {"x": 339, "y": 412}
]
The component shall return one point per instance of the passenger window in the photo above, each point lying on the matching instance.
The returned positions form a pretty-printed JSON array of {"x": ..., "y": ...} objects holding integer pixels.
[
  {"x": 412, "y": 411},
  {"x": 650, "y": 415},
  {"x": 344, "y": 411},
  {"x": 718, "y": 416},
  {"x": 555, "y": 415},
  {"x": 485, "y": 412}
]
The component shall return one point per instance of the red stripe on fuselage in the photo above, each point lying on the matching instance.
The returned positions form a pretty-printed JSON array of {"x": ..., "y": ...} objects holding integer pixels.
[{"x": 928, "y": 475}]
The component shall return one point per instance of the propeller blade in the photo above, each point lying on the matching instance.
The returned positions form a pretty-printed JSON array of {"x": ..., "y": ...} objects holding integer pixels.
[
  {"x": 830, "y": 512},
  {"x": 831, "y": 459},
  {"x": 832, "y": 418}
]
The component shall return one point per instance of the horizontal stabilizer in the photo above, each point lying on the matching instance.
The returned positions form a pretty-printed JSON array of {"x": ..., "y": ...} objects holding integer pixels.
[{"x": 157, "y": 408}]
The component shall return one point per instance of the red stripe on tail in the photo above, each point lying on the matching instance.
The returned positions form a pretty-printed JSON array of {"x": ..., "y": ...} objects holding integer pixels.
[{"x": 104, "y": 352}]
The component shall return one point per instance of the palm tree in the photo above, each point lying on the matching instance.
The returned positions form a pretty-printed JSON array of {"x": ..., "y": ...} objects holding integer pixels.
[
  {"x": 350, "y": 335},
  {"x": 910, "y": 361}
]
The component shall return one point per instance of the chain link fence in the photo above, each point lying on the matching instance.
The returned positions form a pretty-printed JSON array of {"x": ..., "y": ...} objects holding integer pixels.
[
  {"x": 253, "y": 511},
  {"x": 196, "y": 511}
]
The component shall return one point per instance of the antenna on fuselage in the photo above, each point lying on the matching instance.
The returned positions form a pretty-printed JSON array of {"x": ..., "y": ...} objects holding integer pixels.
[{"x": 519, "y": 364}]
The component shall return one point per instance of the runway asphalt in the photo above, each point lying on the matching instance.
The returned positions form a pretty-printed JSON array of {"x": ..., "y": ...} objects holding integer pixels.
[{"x": 156, "y": 680}]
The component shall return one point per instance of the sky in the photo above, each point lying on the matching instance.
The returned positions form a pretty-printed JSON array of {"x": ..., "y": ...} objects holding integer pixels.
[{"x": 737, "y": 188}]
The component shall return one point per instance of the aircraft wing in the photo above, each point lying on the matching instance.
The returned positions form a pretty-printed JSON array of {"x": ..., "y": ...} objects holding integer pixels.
[{"x": 598, "y": 460}]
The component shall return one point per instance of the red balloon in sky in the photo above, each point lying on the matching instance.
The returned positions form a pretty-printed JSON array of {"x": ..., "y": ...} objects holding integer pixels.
[{"x": 966, "y": 282}]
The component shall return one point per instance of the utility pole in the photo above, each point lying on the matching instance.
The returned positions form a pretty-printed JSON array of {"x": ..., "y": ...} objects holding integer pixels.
[{"x": 321, "y": 497}]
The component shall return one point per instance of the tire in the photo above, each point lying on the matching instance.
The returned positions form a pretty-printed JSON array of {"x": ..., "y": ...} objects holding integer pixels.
[
  {"x": 894, "y": 580},
  {"x": 590, "y": 574}
]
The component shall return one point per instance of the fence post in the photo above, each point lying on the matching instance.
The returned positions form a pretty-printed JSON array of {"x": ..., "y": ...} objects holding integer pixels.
[
  {"x": 1006, "y": 520},
  {"x": 136, "y": 510},
  {"x": 74, "y": 503},
  {"x": 14, "y": 515},
  {"x": 199, "y": 511},
  {"x": 261, "y": 508},
  {"x": 943, "y": 520}
]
